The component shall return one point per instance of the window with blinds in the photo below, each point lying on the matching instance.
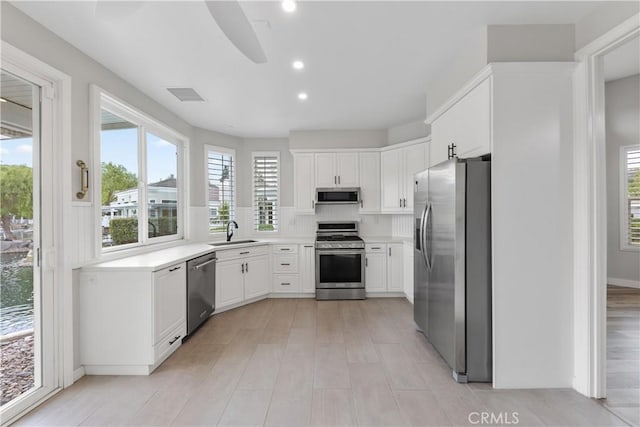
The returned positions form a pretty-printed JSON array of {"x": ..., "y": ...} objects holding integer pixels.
[
  {"x": 266, "y": 194},
  {"x": 630, "y": 208},
  {"x": 221, "y": 187}
]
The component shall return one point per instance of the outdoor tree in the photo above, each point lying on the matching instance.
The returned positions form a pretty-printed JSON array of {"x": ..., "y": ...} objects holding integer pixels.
[
  {"x": 115, "y": 178},
  {"x": 223, "y": 177},
  {"x": 16, "y": 195},
  {"x": 223, "y": 212}
]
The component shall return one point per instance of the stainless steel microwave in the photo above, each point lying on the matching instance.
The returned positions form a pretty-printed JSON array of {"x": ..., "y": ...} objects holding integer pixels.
[{"x": 337, "y": 196}]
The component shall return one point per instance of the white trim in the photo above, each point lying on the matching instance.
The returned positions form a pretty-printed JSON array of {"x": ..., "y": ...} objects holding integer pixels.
[
  {"x": 624, "y": 282},
  {"x": 589, "y": 206},
  {"x": 78, "y": 373},
  {"x": 409, "y": 143},
  {"x": 57, "y": 94},
  {"x": 255, "y": 154},
  {"x": 623, "y": 191}
]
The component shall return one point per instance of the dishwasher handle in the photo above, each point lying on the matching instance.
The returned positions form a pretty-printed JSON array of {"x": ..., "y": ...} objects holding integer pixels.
[{"x": 199, "y": 266}]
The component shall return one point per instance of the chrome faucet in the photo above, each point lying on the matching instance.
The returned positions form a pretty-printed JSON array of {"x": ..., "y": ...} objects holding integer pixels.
[{"x": 230, "y": 230}]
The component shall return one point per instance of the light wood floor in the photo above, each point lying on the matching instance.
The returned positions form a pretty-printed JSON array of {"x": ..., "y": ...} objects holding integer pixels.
[
  {"x": 623, "y": 352},
  {"x": 303, "y": 362}
]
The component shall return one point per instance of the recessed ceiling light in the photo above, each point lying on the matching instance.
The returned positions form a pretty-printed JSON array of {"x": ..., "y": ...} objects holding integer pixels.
[
  {"x": 302, "y": 96},
  {"x": 298, "y": 65},
  {"x": 289, "y": 6}
]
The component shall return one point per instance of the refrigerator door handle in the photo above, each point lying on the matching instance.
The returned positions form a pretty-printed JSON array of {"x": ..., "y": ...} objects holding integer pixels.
[
  {"x": 421, "y": 234},
  {"x": 427, "y": 236}
]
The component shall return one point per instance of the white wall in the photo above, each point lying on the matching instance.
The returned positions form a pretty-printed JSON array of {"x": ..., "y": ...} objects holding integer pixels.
[
  {"x": 622, "y": 118},
  {"x": 408, "y": 131},
  {"x": 602, "y": 19},
  {"x": 532, "y": 229},
  {"x": 508, "y": 43},
  {"x": 321, "y": 139}
]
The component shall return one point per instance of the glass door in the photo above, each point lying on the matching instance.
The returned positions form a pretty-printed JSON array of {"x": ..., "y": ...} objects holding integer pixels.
[{"x": 26, "y": 315}]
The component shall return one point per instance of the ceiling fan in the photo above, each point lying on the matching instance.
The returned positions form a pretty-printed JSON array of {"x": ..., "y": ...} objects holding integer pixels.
[{"x": 228, "y": 15}]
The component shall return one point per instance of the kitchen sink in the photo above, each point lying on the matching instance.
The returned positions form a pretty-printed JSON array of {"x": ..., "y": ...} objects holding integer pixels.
[{"x": 235, "y": 242}]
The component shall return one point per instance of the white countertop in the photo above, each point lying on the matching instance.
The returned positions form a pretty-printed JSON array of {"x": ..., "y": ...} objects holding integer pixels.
[{"x": 386, "y": 239}]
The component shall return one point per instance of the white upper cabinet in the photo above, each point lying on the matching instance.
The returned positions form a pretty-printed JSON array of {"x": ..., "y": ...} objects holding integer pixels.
[
  {"x": 369, "y": 168},
  {"x": 336, "y": 170},
  {"x": 391, "y": 165},
  {"x": 398, "y": 167},
  {"x": 467, "y": 124},
  {"x": 304, "y": 183}
]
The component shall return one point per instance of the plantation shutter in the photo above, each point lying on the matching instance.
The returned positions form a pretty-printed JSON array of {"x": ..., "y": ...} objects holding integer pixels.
[
  {"x": 266, "y": 168},
  {"x": 221, "y": 192},
  {"x": 632, "y": 205}
]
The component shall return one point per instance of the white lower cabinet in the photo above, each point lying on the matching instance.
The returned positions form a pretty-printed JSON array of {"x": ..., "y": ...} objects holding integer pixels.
[
  {"x": 293, "y": 268},
  {"x": 244, "y": 276},
  {"x": 130, "y": 320},
  {"x": 384, "y": 268}
]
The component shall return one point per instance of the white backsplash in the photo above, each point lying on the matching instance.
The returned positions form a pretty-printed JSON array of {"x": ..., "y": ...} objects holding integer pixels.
[{"x": 402, "y": 225}]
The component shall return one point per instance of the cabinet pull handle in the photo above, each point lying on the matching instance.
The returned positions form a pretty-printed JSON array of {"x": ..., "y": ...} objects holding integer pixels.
[
  {"x": 308, "y": 246},
  {"x": 243, "y": 268},
  {"x": 246, "y": 268},
  {"x": 285, "y": 249},
  {"x": 174, "y": 339},
  {"x": 400, "y": 202},
  {"x": 244, "y": 253},
  {"x": 335, "y": 179},
  {"x": 366, "y": 262},
  {"x": 376, "y": 247},
  {"x": 313, "y": 204},
  {"x": 338, "y": 179},
  {"x": 285, "y": 284},
  {"x": 361, "y": 203},
  {"x": 175, "y": 268},
  {"x": 282, "y": 263},
  {"x": 389, "y": 250}
]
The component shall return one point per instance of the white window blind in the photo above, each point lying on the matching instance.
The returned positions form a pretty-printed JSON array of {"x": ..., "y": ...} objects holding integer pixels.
[
  {"x": 221, "y": 191},
  {"x": 266, "y": 194},
  {"x": 631, "y": 196}
]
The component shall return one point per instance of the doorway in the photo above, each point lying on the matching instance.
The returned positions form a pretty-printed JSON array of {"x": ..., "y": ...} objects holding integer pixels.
[
  {"x": 27, "y": 295},
  {"x": 621, "y": 71}
]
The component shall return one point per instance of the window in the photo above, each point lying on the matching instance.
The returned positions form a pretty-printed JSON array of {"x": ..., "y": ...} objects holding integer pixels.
[
  {"x": 630, "y": 197},
  {"x": 140, "y": 159},
  {"x": 266, "y": 194},
  {"x": 221, "y": 187}
]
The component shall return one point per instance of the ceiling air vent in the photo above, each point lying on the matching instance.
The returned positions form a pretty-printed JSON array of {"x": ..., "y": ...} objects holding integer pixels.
[{"x": 185, "y": 94}]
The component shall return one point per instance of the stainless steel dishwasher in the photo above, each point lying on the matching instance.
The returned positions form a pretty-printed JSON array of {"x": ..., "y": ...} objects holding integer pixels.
[{"x": 201, "y": 290}]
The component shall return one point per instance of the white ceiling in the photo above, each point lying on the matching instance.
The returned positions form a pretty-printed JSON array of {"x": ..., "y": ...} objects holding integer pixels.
[
  {"x": 624, "y": 61},
  {"x": 367, "y": 63}
]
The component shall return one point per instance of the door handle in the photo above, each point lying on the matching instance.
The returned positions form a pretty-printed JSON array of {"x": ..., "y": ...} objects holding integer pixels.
[
  {"x": 199, "y": 266},
  {"x": 428, "y": 225}
]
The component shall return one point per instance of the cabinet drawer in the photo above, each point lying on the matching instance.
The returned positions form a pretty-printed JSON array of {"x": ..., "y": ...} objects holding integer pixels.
[
  {"x": 241, "y": 252},
  {"x": 285, "y": 249},
  {"x": 170, "y": 342},
  {"x": 286, "y": 283},
  {"x": 375, "y": 247},
  {"x": 285, "y": 263}
]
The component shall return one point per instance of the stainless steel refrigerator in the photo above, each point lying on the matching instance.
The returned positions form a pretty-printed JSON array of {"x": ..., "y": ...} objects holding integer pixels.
[{"x": 452, "y": 264}]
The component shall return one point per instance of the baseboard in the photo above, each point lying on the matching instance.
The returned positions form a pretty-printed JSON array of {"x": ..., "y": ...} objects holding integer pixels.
[
  {"x": 78, "y": 373},
  {"x": 624, "y": 282}
]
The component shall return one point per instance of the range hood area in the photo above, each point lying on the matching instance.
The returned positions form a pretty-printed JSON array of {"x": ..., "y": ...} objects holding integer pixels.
[{"x": 338, "y": 196}]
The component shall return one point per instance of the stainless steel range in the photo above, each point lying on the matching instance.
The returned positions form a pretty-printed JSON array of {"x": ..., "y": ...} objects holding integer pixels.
[{"x": 339, "y": 261}]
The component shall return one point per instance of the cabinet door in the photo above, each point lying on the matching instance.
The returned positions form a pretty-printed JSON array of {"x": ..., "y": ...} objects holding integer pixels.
[
  {"x": 369, "y": 169},
  {"x": 375, "y": 273},
  {"x": 395, "y": 267},
  {"x": 391, "y": 171},
  {"x": 303, "y": 183},
  {"x": 413, "y": 163},
  {"x": 170, "y": 299},
  {"x": 326, "y": 175},
  {"x": 442, "y": 135},
  {"x": 229, "y": 283},
  {"x": 307, "y": 268},
  {"x": 473, "y": 126},
  {"x": 256, "y": 277},
  {"x": 347, "y": 170}
]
